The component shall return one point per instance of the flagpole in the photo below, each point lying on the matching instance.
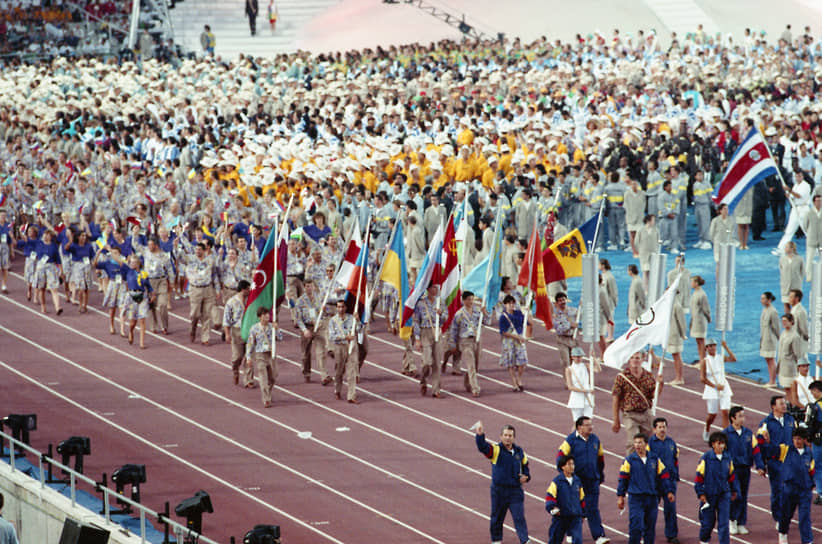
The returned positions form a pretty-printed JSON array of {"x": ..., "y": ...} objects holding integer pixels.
[
  {"x": 382, "y": 266},
  {"x": 359, "y": 282},
  {"x": 274, "y": 297},
  {"x": 532, "y": 251},
  {"x": 439, "y": 298},
  {"x": 355, "y": 225},
  {"x": 494, "y": 248},
  {"x": 596, "y": 231},
  {"x": 778, "y": 169},
  {"x": 277, "y": 235},
  {"x": 443, "y": 222},
  {"x": 656, "y": 385}
]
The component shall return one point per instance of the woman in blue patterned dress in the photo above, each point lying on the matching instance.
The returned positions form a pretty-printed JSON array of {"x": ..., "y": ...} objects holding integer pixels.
[
  {"x": 81, "y": 253},
  {"x": 513, "y": 356}
]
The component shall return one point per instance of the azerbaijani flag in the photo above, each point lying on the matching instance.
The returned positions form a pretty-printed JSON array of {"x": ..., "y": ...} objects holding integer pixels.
[
  {"x": 448, "y": 278},
  {"x": 395, "y": 272},
  {"x": 532, "y": 269},
  {"x": 563, "y": 258},
  {"x": 262, "y": 288}
]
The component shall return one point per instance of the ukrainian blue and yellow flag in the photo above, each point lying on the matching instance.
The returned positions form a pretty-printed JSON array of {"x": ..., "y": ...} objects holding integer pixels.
[
  {"x": 563, "y": 258},
  {"x": 395, "y": 273}
]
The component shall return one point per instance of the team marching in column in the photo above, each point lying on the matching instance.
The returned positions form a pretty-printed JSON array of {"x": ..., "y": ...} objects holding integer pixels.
[{"x": 142, "y": 275}]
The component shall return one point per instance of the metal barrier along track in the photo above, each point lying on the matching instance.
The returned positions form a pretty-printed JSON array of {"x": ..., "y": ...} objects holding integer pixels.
[{"x": 181, "y": 532}]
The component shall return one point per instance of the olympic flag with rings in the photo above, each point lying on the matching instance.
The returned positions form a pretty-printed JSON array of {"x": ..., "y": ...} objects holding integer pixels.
[{"x": 651, "y": 328}]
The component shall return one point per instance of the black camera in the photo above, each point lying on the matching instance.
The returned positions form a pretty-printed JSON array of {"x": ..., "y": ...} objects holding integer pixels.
[{"x": 263, "y": 534}]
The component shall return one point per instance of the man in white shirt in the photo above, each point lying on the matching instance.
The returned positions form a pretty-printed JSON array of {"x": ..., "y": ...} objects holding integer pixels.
[{"x": 799, "y": 196}]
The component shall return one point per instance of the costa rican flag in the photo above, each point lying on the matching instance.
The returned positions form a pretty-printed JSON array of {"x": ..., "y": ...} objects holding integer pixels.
[{"x": 750, "y": 163}]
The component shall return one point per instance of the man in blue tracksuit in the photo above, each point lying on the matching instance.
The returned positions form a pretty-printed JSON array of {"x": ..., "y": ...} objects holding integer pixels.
[
  {"x": 643, "y": 477},
  {"x": 509, "y": 471},
  {"x": 589, "y": 463},
  {"x": 798, "y": 471},
  {"x": 668, "y": 452},
  {"x": 774, "y": 431},
  {"x": 716, "y": 486},
  {"x": 744, "y": 451},
  {"x": 565, "y": 501}
]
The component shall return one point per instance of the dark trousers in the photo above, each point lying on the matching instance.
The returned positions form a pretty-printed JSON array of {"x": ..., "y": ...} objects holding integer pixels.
[
  {"x": 591, "y": 489},
  {"x": 504, "y": 499},
  {"x": 252, "y": 23},
  {"x": 775, "y": 479},
  {"x": 562, "y": 526},
  {"x": 669, "y": 510},
  {"x": 778, "y": 213},
  {"x": 758, "y": 223},
  {"x": 791, "y": 500},
  {"x": 716, "y": 514},
  {"x": 739, "y": 507},
  {"x": 642, "y": 511}
]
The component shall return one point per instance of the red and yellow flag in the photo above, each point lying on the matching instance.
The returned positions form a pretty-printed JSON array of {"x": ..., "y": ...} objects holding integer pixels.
[{"x": 533, "y": 270}]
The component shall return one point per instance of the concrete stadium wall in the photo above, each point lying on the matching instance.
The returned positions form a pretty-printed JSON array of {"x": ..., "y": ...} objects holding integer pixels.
[{"x": 38, "y": 514}]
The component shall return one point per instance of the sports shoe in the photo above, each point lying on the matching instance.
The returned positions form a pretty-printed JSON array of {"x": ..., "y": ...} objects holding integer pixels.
[
  {"x": 732, "y": 527},
  {"x": 775, "y": 252},
  {"x": 742, "y": 530},
  {"x": 706, "y": 436},
  {"x": 818, "y": 500},
  {"x": 603, "y": 540},
  {"x": 783, "y": 539}
]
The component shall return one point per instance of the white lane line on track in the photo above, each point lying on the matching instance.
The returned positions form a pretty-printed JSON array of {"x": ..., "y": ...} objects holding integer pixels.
[
  {"x": 681, "y": 516},
  {"x": 267, "y": 418},
  {"x": 535, "y": 342},
  {"x": 186, "y": 348},
  {"x": 177, "y": 458},
  {"x": 618, "y": 456}
]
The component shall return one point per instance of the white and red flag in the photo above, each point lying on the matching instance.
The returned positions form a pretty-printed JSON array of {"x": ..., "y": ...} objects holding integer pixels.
[{"x": 751, "y": 163}]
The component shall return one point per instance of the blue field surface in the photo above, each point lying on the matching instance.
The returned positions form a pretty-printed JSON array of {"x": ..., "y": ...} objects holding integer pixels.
[{"x": 756, "y": 271}]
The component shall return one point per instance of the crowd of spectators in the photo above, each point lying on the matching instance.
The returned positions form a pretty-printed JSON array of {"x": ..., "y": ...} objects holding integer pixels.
[
  {"x": 548, "y": 123},
  {"x": 49, "y": 28}
]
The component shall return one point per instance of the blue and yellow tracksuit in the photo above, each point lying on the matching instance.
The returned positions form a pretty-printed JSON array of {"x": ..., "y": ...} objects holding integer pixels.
[
  {"x": 506, "y": 490},
  {"x": 589, "y": 466},
  {"x": 744, "y": 451},
  {"x": 569, "y": 497},
  {"x": 798, "y": 471},
  {"x": 643, "y": 482},
  {"x": 780, "y": 433},
  {"x": 716, "y": 480},
  {"x": 668, "y": 453}
]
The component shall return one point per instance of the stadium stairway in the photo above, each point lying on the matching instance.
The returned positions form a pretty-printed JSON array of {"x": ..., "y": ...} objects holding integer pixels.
[
  {"x": 230, "y": 25},
  {"x": 682, "y": 16}
]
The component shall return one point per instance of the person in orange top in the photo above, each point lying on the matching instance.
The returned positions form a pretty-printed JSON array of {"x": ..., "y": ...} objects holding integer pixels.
[
  {"x": 464, "y": 166},
  {"x": 466, "y": 136}
]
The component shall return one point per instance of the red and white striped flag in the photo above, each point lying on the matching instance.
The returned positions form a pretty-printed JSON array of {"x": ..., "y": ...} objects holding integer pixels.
[
  {"x": 751, "y": 163},
  {"x": 352, "y": 251}
]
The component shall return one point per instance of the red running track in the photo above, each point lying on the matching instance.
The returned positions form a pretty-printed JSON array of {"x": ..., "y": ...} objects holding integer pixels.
[{"x": 397, "y": 468}]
